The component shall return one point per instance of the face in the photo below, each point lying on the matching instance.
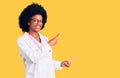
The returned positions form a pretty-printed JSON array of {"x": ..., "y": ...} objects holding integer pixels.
[{"x": 35, "y": 23}]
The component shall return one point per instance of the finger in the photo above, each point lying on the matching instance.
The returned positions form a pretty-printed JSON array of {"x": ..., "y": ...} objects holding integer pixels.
[
  {"x": 57, "y": 35},
  {"x": 70, "y": 60},
  {"x": 67, "y": 64}
]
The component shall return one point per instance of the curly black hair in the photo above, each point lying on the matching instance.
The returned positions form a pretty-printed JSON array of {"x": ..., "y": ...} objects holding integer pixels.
[{"x": 30, "y": 11}]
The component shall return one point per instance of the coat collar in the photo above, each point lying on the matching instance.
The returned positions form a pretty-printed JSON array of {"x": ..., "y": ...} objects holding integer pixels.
[{"x": 33, "y": 41}]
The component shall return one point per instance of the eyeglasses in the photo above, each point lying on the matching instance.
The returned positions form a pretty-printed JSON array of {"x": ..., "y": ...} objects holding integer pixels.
[{"x": 36, "y": 21}]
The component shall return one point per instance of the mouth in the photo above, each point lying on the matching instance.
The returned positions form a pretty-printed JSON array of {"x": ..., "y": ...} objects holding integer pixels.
[{"x": 38, "y": 27}]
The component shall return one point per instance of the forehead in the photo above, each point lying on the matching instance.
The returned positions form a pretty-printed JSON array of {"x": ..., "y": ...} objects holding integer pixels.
[{"x": 37, "y": 16}]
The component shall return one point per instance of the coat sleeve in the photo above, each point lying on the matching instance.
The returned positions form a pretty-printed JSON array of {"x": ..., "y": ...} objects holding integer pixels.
[
  {"x": 57, "y": 65},
  {"x": 32, "y": 54}
]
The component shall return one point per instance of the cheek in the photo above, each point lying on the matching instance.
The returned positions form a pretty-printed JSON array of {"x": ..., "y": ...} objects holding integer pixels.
[
  {"x": 31, "y": 26},
  {"x": 41, "y": 24}
]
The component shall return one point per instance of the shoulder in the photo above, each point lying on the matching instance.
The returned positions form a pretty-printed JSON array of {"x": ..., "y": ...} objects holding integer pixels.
[
  {"x": 43, "y": 36},
  {"x": 21, "y": 38},
  {"x": 46, "y": 38}
]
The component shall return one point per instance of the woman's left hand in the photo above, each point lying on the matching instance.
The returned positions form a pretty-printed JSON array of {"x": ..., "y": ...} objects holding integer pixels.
[{"x": 54, "y": 40}]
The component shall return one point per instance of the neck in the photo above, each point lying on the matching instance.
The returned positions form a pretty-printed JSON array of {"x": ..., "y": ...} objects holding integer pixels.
[{"x": 34, "y": 34}]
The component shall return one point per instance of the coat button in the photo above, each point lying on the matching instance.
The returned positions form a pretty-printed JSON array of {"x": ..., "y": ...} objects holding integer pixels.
[{"x": 49, "y": 50}]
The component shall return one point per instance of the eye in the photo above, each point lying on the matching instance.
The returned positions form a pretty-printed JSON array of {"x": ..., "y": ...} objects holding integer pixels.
[
  {"x": 34, "y": 20},
  {"x": 40, "y": 20}
]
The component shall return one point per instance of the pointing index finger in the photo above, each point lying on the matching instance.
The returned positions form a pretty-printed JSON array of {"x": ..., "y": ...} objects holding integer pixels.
[
  {"x": 70, "y": 60},
  {"x": 57, "y": 35}
]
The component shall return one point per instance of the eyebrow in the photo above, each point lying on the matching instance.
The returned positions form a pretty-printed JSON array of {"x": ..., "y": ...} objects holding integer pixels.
[{"x": 36, "y": 19}]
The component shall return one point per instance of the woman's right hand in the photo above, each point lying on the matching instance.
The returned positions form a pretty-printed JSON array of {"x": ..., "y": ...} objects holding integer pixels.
[{"x": 65, "y": 63}]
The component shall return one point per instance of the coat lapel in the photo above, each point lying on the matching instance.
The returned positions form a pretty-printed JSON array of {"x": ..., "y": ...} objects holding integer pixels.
[{"x": 29, "y": 41}]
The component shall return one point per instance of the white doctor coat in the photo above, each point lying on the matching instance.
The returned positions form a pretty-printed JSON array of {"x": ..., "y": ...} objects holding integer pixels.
[{"x": 38, "y": 60}]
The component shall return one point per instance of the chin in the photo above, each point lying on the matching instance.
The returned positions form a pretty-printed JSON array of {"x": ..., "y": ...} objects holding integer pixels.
[{"x": 37, "y": 30}]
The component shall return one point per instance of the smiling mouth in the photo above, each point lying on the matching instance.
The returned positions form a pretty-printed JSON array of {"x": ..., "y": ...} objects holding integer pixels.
[{"x": 38, "y": 27}]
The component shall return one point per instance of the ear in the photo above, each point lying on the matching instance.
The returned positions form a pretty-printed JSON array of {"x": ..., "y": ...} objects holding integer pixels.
[{"x": 28, "y": 23}]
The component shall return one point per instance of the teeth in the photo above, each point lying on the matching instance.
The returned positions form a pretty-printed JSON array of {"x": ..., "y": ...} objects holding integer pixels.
[{"x": 38, "y": 27}]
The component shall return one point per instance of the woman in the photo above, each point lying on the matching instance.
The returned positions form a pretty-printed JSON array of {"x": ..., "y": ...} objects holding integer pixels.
[{"x": 35, "y": 49}]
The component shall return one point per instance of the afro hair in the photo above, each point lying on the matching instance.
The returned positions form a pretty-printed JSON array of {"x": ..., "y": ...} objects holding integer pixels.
[{"x": 30, "y": 11}]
